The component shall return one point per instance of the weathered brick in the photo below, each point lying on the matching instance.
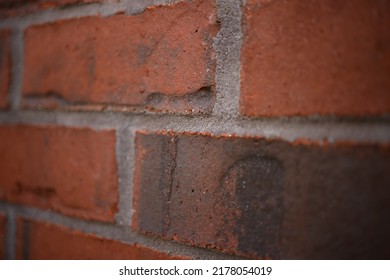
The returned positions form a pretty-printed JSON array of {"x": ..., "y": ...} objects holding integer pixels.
[
  {"x": 159, "y": 60},
  {"x": 262, "y": 198},
  {"x": 22, "y": 7},
  {"x": 69, "y": 170},
  {"x": 304, "y": 57},
  {"x": 5, "y": 67},
  {"x": 43, "y": 241},
  {"x": 3, "y": 228}
]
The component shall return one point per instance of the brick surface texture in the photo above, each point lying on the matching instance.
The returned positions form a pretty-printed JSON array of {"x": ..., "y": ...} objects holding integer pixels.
[
  {"x": 304, "y": 58},
  {"x": 3, "y": 228},
  {"x": 5, "y": 66},
  {"x": 267, "y": 199},
  {"x": 62, "y": 243},
  {"x": 159, "y": 60},
  {"x": 194, "y": 129},
  {"x": 70, "y": 170}
]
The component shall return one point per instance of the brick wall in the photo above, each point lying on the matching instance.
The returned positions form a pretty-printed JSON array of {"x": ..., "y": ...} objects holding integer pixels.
[{"x": 198, "y": 129}]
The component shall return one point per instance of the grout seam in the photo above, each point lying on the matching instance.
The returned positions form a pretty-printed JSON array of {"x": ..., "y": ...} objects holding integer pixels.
[
  {"x": 129, "y": 7},
  {"x": 10, "y": 235},
  {"x": 125, "y": 156},
  {"x": 227, "y": 45},
  {"x": 17, "y": 57},
  {"x": 284, "y": 129},
  {"x": 122, "y": 234}
]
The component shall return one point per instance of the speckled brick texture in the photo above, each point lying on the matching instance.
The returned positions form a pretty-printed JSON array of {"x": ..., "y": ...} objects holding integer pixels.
[
  {"x": 69, "y": 170},
  {"x": 159, "y": 60},
  {"x": 61, "y": 243},
  {"x": 194, "y": 129},
  {"x": 261, "y": 198},
  {"x": 305, "y": 58}
]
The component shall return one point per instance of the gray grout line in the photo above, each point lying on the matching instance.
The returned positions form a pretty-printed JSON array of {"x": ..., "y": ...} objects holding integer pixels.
[
  {"x": 95, "y": 120},
  {"x": 274, "y": 129},
  {"x": 114, "y": 232},
  {"x": 125, "y": 156},
  {"x": 16, "y": 68},
  {"x": 5, "y": 241},
  {"x": 10, "y": 235},
  {"x": 227, "y": 45},
  {"x": 129, "y": 7},
  {"x": 286, "y": 129}
]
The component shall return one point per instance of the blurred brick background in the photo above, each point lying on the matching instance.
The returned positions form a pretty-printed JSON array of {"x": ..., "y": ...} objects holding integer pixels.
[{"x": 200, "y": 129}]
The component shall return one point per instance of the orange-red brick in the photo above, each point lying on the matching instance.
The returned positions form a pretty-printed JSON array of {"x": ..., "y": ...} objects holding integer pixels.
[
  {"x": 43, "y": 241},
  {"x": 5, "y": 67},
  {"x": 329, "y": 57},
  {"x": 3, "y": 228},
  {"x": 69, "y": 170},
  {"x": 161, "y": 59}
]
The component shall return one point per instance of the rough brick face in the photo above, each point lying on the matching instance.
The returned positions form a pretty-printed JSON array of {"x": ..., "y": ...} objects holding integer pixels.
[
  {"x": 3, "y": 228},
  {"x": 262, "y": 198},
  {"x": 158, "y": 60},
  {"x": 306, "y": 57},
  {"x": 5, "y": 67},
  {"x": 87, "y": 175},
  {"x": 70, "y": 170},
  {"x": 42, "y": 241}
]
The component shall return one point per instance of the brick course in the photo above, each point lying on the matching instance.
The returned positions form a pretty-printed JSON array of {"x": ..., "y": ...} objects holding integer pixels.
[{"x": 62, "y": 243}]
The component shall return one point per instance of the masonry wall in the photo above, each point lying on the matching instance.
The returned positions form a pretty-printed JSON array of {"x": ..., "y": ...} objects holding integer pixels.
[{"x": 195, "y": 129}]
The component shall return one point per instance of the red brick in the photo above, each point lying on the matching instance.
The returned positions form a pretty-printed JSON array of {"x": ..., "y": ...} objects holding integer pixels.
[
  {"x": 3, "y": 228},
  {"x": 161, "y": 59},
  {"x": 43, "y": 241},
  {"x": 22, "y": 7},
  {"x": 69, "y": 170},
  {"x": 5, "y": 67},
  {"x": 305, "y": 57},
  {"x": 264, "y": 199}
]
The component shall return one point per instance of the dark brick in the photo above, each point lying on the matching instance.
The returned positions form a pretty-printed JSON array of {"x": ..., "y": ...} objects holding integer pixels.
[
  {"x": 159, "y": 60},
  {"x": 303, "y": 57},
  {"x": 264, "y": 199},
  {"x": 69, "y": 170},
  {"x": 44, "y": 241}
]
